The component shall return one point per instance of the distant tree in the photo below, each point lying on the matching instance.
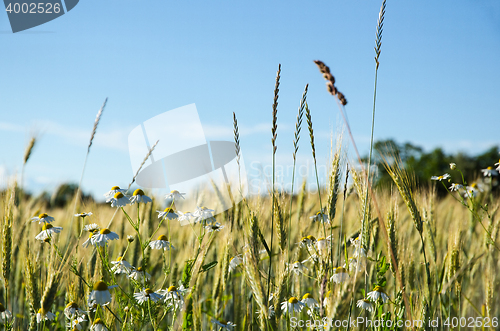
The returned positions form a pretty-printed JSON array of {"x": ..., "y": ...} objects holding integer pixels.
[{"x": 425, "y": 165}]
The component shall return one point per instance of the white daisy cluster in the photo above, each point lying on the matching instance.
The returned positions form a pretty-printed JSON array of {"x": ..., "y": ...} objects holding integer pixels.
[{"x": 116, "y": 196}]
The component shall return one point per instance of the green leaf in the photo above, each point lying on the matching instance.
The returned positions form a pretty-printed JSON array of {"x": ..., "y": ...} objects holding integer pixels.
[
  {"x": 187, "y": 318},
  {"x": 186, "y": 273},
  {"x": 208, "y": 266}
]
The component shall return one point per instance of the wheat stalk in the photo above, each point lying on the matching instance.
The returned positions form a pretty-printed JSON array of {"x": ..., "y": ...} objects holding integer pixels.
[{"x": 273, "y": 140}]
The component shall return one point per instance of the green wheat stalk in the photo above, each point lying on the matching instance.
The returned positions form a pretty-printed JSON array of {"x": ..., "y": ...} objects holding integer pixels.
[{"x": 273, "y": 140}]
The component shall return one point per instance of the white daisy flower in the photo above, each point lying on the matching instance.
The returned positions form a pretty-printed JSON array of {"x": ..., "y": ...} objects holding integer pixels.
[
  {"x": 359, "y": 252},
  {"x": 184, "y": 216},
  {"x": 270, "y": 312},
  {"x": 47, "y": 231},
  {"x": 440, "y": 178},
  {"x": 120, "y": 266},
  {"x": 378, "y": 293},
  {"x": 313, "y": 311},
  {"x": 118, "y": 200},
  {"x": 365, "y": 304},
  {"x": 358, "y": 264},
  {"x": 168, "y": 213},
  {"x": 98, "y": 325},
  {"x": 130, "y": 239},
  {"x": 74, "y": 325},
  {"x": 174, "y": 296},
  {"x": 139, "y": 275},
  {"x": 87, "y": 242},
  {"x": 223, "y": 324},
  {"x": 307, "y": 241},
  {"x": 455, "y": 187},
  {"x": 235, "y": 262},
  {"x": 91, "y": 227},
  {"x": 498, "y": 165},
  {"x": 323, "y": 246},
  {"x": 102, "y": 237},
  {"x": 214, "y": 227},
  {"x": 488, "y": 172},
  {"x": 83, "y": 215},
  {"x": 453, "y": 166},
  {"x": 5, "y": 314},
  {"x": 73, "y": 312},
  {"x": 43, "y": 218},
  {"x": 340, "y": 275},
  {"x": 161, "y": 243},
  {"x": 293, "y": 305},
  {"x": 146, "y": 295},
  {"x": 139, "y": 197},
  {"x": 320, "y": 217},
  {"x": 472, "y": 190},
  {"x": 43, "y": 315},
  {"x": 175, "y": 195},
  {"x": 356, "y": 242},
  {"x": 114, "y": 190},
  {"x": 309, "y": 301},
  {"x": 100, "y": 294},
  {"x": 297, "y": 267},
  {"x": 202, "y": 213}
]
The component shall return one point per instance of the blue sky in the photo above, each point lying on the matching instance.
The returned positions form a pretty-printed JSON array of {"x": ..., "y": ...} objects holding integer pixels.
[{"x": 438, "y": 78}]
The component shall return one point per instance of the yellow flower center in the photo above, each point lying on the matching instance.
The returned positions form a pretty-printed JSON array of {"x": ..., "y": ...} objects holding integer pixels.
[
  {"x": 115, "y": 188},
  {"x": 320, "y": 239},
  {"x": 139, "y": 269},
  {"x": 163, "y": 237},
  {"x": 72, "y": 305},
  {"x": 490, "y": 168},
  {"x": 42, "y": 311},
  {"x": 138, "y": 192},
  {"x": 47, "y": 226},
  {"x": 311, "y": 237},
  {"x": 42, "y": 215},
  {"x": 378, "y": 289},
  {"x": 2, "y": 308},
  {"x": 307, "y": 296},
  {"x": 168, "y": 210},
  {"x": 340, "y": 270},
  {"x": 119, "y": 258},
  {"x": 223, "y": 322},
  {"x": 293, "y": 300},
  {"x": 105, "y": 231},
  {"x": 366, "y": 301},
  {"x": 297, "y": 262},
  {"x": 100, "y": 286},
  {"x": 148, "y": 291},
  {"x": 98, "y": 321},
  {"x": 174, "y": 192},
  {"x": 118, "y": 195},
  {"x": 172, "y": 288},
  {"x": 474, "y": 185}
]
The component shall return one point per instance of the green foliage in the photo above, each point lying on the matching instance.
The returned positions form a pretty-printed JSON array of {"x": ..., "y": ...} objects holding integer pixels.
[
  {"x": 434, "y": 163},
  {"x": 186, "y": 273},
  {"x": 208, "y": 266},
  {"x": 382, "y": 267}
]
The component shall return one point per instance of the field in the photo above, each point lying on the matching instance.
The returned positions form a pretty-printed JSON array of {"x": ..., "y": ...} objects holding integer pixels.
[{"x": 42, "y": 277}]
